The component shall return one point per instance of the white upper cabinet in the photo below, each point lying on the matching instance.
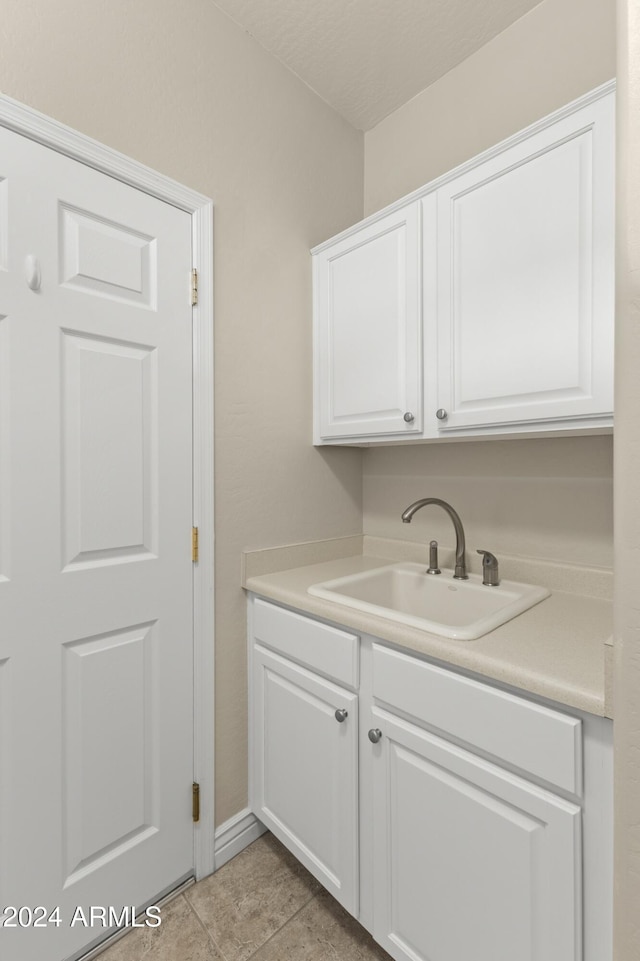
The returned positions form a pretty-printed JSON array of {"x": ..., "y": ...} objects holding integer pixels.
[
  {"x": 368, "y": 331},
  {"x": 482, "y": 304},
  {"x": 525, "y": 279}
]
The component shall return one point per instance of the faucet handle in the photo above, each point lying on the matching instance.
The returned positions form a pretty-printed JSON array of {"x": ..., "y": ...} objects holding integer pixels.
[{"x": 490, "y": 574}]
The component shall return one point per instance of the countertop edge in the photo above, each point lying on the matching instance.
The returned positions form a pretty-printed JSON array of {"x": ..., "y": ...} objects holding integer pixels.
[{"x": 541, "y": 683}]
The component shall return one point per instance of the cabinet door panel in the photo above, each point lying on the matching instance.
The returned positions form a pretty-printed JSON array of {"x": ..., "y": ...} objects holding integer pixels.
[
  {"x": 525, "y": 279},
  {"x": 470, "y": 861},
  {"x": 306, "y": 784},
  {"x": 368, "y": 331}
]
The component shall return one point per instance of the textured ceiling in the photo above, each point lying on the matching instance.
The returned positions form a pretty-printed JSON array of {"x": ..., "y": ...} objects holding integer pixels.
[{"x": 368, "y": 57}]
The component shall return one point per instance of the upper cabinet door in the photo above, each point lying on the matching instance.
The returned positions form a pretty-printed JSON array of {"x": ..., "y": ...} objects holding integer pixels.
[
  {"x": 526, "y": 279},
  {"x": 368, "y": 357}
]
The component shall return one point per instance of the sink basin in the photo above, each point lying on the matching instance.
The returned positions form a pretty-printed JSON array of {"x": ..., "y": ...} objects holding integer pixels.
[{"x": 463, "y": 610}]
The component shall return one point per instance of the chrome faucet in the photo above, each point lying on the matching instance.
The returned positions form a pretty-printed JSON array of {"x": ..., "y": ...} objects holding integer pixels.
[{"x": 461, "y": 571}]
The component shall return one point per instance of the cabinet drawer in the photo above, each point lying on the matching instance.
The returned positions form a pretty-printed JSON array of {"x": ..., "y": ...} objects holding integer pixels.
[
  {"x": 536, "y": 739},
  {"x": 322, "y": 648}
]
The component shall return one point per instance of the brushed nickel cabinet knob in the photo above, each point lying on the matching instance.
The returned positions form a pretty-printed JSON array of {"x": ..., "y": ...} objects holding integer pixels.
[
  {"x": 374, "y": 735},
  {"x": 341, "y": 715},
  {"x": 441, "y": 413}
]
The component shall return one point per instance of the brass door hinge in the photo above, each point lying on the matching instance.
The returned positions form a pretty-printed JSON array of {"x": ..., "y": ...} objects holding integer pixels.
[
  {"x": 194, "y": 287},
  {"x": 196, "y": 802},
  {"x": 194, "y": 545}
]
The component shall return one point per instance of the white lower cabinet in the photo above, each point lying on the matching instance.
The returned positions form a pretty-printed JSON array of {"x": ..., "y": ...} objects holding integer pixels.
[
  {"x": 469, "y": 861},
  {"x": 467, "y": 826},
  {"x": 306, "y": 770}
]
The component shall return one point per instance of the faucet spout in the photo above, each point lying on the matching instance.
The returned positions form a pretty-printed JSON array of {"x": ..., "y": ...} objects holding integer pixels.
[{"x": 461, "y": 569}]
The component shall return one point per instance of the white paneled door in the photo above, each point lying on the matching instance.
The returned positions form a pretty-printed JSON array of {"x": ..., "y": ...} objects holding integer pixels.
[{"x": 96, "y": 649}]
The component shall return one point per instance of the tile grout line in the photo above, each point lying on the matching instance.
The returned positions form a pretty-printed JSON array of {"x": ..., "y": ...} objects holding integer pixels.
[
  {"x": 208, "y": 934},
  {"x": 283, "y": 926},
  {"x": 193, "y": 908}
]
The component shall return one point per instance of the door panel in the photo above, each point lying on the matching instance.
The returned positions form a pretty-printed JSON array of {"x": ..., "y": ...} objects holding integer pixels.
[
  {"x": 5, "y": 464},
  {"x": 105, "y": 258},
  {"x": 509, "y": 341},
  {"x": 109, "y": 794},
  {"x": 109, "y": 442},
  {"x": 5, "y": 776},
  {"x": 95, "y": 531},
  {"x": 4, "y": 223}
]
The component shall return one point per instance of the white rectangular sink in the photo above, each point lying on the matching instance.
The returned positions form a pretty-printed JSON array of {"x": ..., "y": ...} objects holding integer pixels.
[{"x": 437, "y": 603}]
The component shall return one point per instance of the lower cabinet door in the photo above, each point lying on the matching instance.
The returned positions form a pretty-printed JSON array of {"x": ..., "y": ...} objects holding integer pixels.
[
  {"x": 305, "y": 770},
  {"x": 471, "y": 863}
]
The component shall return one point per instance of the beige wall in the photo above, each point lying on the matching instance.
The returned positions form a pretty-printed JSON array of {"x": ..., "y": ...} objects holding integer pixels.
[
  {"x": 179, "y": 87},
  {"x": 540, "y": 498},
  {"x": 535, "y": 498},
  {"x": 627, "y": 494},
  {"x": 559, "y": 50}
]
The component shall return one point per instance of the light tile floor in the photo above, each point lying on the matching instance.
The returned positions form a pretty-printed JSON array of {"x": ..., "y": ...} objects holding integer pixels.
[{"x": 261, "y": 905}]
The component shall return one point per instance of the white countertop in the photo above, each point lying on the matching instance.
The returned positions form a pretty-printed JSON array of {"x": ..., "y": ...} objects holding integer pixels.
[{"x": 555, "y": 649}]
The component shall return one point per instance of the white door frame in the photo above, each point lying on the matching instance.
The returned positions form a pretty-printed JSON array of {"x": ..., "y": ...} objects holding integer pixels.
[{"x": 36, "y": 126}]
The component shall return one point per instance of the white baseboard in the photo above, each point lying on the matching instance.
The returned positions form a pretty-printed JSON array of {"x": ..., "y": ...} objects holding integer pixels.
[{"x": 235, "y": 834}]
